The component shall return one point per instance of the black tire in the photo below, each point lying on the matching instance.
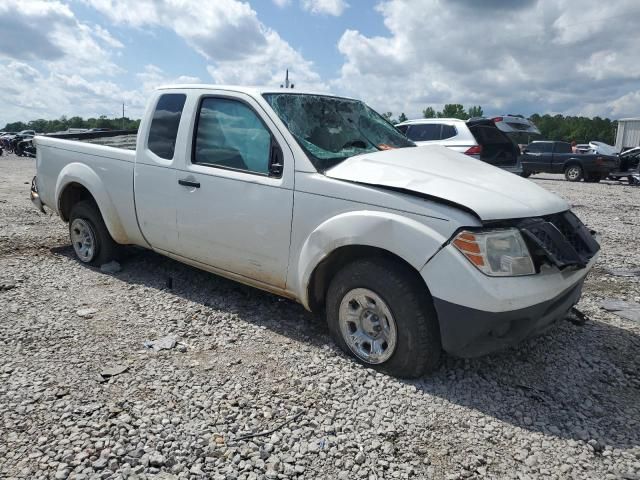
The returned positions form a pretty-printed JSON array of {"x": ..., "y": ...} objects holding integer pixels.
[
  {"x": 525, "y": 174},
  {"x": 105, "y": 249},
  {"x": 418, "y": 347},
  {"x": 573, "y": 172}
]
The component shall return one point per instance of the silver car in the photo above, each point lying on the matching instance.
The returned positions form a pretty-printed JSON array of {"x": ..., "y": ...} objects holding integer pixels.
[{"x": 477, "y": 137}]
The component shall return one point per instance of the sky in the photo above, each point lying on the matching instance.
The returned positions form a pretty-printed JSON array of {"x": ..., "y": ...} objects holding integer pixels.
[{"x": 88, "y": 57}]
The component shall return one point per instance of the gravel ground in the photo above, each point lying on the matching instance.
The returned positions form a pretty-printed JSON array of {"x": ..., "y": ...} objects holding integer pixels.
[{"x": 566, "y": 405}]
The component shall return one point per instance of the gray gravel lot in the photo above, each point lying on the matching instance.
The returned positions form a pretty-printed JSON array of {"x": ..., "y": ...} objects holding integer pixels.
[{"x": 566, "y": 405}]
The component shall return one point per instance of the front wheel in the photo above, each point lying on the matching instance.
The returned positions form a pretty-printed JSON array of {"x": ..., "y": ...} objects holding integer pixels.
[
  {"x": 381, "y": 314},
  {"x": 573, "y": 173},
  {"x": 89, "y": 236}
]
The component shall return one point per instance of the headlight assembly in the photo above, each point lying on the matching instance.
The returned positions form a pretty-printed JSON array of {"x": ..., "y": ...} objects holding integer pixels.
[{"x": 497, "y": 253}]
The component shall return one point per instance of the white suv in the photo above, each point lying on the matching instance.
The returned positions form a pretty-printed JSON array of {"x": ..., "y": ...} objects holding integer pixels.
[{"x": 478, "y": 138}]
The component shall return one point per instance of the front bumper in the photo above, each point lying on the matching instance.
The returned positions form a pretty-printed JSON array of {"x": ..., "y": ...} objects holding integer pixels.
[
  {"x": 35, "y": 198},
  {"x": 478, "y": 314},
  {"x": 468, "y": 332}
]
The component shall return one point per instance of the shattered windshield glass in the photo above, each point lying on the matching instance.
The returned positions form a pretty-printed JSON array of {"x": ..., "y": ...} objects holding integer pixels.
[{"x": 331, "y": 129}]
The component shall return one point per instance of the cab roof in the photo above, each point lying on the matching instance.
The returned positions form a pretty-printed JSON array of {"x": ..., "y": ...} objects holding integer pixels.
[{"x": 250, "y": 90}]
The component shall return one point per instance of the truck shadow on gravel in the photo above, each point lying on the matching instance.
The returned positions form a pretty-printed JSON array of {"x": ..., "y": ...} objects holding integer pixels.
[{"x": 575, "y": 382}]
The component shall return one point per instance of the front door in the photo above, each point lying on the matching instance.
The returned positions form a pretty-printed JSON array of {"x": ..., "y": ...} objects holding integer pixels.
[{"x": 234, "y": 208}]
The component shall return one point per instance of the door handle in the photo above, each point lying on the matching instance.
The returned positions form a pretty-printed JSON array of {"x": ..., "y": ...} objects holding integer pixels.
[{"x": 189, "y": 183}]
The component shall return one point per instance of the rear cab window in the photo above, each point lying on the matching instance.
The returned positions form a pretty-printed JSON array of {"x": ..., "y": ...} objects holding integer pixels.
[
  {"x": 562, "y": 147},
  {"x": 164, "y": 125},
  {"x": 540, "y": 147}
]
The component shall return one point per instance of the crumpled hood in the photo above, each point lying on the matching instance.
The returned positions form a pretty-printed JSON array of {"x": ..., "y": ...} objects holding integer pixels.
[{"x": 436, "y": 171}]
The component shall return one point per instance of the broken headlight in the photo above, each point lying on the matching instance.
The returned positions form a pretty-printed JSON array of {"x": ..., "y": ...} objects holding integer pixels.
[{"x": 497, "y": 253}]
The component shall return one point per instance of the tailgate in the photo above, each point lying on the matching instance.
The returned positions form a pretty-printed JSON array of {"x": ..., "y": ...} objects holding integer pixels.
[{"x": 497, "y": 148}]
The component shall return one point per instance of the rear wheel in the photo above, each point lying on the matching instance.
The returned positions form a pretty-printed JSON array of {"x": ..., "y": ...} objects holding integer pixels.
[
  {"x": 525, "y": 174},
  {"x": 573, "y": 173},
  {"x": 381, "y": 314},
  {"x": 89, "y": 236}
]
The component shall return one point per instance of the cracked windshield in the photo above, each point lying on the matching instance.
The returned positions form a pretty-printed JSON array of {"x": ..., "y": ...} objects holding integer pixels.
[{"x": 331, "y": 129}]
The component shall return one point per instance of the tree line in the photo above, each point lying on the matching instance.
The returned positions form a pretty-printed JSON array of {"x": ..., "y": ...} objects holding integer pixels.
[
  {"x": 63, "y": 123},
  {"x": 552, "y": 127}
]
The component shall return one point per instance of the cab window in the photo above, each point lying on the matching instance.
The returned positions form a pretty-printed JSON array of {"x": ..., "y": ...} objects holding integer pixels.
[
  {"x": 164, "y": 125},
  {"x": 230, "y": 134}
]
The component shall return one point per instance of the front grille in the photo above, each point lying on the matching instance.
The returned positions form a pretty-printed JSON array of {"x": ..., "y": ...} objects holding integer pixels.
[
  {"x": 562, "y": 238},
  {"x": 576, "y": 233}
]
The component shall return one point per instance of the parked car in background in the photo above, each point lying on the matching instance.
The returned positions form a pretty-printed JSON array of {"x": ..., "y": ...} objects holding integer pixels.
[
  {"x": 520, "y": 130},
  {"x": 11, "y": 140},
  {"x": 629, "y": 167},
  {"x": 478, "y": 138},
  {"x": 558, "y": 157},
  {"x": 21, "y": 143},
  {"x": 602, "y": 148},
  {"x": 317, "y": 198},
  {"x": 5, "y": 139},
  {"x": 583, "y": 148}
]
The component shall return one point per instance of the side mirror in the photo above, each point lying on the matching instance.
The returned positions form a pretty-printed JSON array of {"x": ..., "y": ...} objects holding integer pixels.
[
  {"x": 276, "y": 160},
  {"x": 525, "y": 150}
]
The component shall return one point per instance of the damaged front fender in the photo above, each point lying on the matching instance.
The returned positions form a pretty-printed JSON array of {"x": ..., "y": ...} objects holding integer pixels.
[{"x": 400, "y": 235}]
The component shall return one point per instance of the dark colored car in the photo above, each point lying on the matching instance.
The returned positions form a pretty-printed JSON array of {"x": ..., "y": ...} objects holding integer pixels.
[
  {"x": 557, "y": 157},
  {"x": 629, "y": 167}
]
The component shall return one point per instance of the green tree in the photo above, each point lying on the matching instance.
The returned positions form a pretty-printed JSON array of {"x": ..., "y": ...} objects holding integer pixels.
[
  {"x": 388, "y": 116},
  {"x": 402, "y": 118},
  {"x": 475, "y": 111},
  {"x": 429, "y": 112},
  {"x": 15, "y": 127},
  {"x": 453, "y": 110}
]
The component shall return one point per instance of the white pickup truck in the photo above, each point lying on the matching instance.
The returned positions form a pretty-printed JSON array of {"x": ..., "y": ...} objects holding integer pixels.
[{"x": 409, "y": 251}]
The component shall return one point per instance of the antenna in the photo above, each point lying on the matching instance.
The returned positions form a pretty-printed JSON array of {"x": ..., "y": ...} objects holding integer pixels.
[{"x": 286, "y": 81}]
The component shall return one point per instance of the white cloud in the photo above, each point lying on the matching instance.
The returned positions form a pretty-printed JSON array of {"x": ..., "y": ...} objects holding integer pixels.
[
  {"x": 510, "y": 57},
  {"x": 29, "y": 94},
  {"x": 227, "y": 33},
  {"x": 282, "y": 3},
  {"x": 52, "y": 63},
  {"x": 48, "y": 31},
  {"x": 325, "y": 7}
]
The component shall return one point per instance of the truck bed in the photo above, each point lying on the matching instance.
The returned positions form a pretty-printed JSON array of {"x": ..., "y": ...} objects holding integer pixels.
[
  {"x": 106, "y": 171},
  {"x": 115, "y": 138},
  {"x": 128, "y": 142}
]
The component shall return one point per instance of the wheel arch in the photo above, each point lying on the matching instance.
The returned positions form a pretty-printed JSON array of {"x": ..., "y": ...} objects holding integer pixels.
[
  {"x": 355, "y": 235},
  {"x": 78, "y": 182},
  {"x": 330, "y": 265},
  {"x": 571, "y": 162}
]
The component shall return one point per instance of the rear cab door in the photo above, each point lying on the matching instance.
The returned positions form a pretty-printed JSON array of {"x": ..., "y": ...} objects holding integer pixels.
[
  {"x": 561, "y": 153},
  {"x": 538, "y": 157},
  {"x": 235, "y": 188},
  {"x": 157, "y": 152}
]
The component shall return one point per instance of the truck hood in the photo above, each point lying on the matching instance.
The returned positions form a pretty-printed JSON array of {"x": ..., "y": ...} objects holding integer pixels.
[{"x": 440, "y": 173}]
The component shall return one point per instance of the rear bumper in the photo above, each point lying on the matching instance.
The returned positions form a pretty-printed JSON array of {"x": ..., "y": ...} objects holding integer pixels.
[
  {"x": 468, "y": 332},
  {"x": 35, "y": 197}
]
